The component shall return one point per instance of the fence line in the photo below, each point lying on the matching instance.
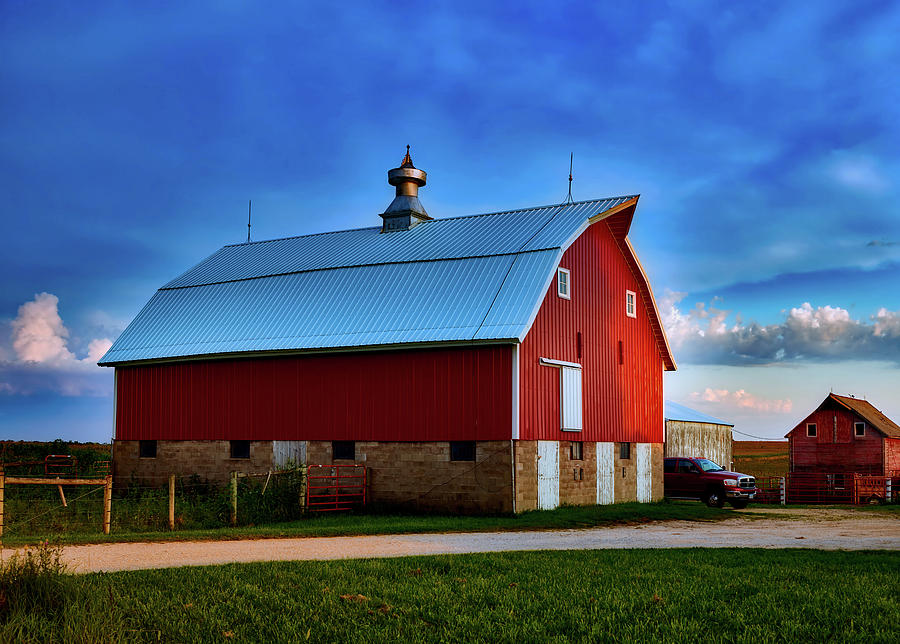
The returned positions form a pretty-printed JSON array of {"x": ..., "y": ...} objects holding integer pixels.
[{"x": 827, "y": 488}]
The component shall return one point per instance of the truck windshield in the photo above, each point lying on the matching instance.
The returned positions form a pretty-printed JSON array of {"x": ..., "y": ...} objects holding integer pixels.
[{"x": 708, "y": 465}]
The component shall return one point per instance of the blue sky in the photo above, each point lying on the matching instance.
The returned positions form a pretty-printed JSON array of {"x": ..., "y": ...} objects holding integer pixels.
[{"x": 763, "y": 138}]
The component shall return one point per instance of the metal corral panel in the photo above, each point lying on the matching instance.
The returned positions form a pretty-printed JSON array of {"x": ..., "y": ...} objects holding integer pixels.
[
  {"x": 606, "y": 466},
  {"x": 412, "y": 395},
  {"x": 548, "y": 475},
  {"x": 622, "y": 391},
  {"x": 644, "y": 472},
  {"x": 463, "y": 279},
  {"x": 706, "y": 440}
]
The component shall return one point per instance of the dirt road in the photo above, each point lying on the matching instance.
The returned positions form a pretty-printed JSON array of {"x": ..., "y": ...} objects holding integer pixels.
[{"x": 819, "y": 529}]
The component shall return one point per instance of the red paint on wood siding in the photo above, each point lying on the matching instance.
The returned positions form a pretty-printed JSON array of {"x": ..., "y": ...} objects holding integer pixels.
[
  {"x": 416, "y": 395},
  {"x": 622, "y": 402},
  {"x": 835, "y": 448},
  {"x": 892, "y": 457}
]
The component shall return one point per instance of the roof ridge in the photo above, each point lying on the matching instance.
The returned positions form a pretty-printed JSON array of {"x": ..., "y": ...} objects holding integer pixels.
[
  {"x": 326, "y": 232},
  {"x": 550, "y": 205},
  {"x": 514, "y": 253},
  {"x": 433, "y": 221}
]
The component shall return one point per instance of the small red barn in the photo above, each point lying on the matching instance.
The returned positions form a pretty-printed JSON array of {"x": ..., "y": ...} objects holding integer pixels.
[
  {"x": 497, "y": 362},
  {"x": 846, "y": 434}
]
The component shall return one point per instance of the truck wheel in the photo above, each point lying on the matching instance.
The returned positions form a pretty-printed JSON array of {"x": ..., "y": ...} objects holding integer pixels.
[
  {"x": 715, "y": 498},
  {"x": 739, "y": 505}
]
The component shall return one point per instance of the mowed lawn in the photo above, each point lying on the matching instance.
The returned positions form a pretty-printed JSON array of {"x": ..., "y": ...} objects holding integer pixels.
[{"x": 673, "y": 595}]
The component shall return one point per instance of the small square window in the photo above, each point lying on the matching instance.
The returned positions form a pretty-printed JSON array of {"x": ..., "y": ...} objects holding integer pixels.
[
  {"x": 630, "y": 304},
  {"x": 564, "y": 283},
  {"x": 240, "y": 449},
  {"x": 811, "y": 429},
  {"x": 576, "y": 450},
  {"x": 624, "y": 450},
  {"x": 462, "y": 450},
  {"x": 147, "y": 449},
  {"x": 343, "y": 450},
  {"x": 859, "y": 429}
]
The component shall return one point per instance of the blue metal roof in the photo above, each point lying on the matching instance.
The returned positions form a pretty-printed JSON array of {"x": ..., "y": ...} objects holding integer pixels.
[
  {"x": 477, "y": 278},
  {"x": 674, "y": 411}
]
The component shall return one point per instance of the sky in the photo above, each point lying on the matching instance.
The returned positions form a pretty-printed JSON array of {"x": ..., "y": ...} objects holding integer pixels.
[{"x": 763, "y": 138}]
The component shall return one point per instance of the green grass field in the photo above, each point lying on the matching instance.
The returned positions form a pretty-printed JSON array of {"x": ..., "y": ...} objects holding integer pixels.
[
  {"x": 329, "y": 525},
  {"x": 762, "y": 459},
  {"x": 625, "y": 595}
]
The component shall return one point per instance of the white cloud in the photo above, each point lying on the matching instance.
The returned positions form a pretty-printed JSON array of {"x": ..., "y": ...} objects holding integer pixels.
[
  {"x": 43, "y": 360},
  {"x": 704, "y": 335},
  {"x": 741, "y": 400},
  {"x": 887, "y": 323}
]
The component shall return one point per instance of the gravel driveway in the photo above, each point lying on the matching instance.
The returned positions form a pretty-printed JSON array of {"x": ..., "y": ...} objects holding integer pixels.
[{"x": 820, "y": 529}]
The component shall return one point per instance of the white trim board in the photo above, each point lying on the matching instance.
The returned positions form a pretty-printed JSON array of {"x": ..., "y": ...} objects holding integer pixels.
[{"x": 550, "y": 362}]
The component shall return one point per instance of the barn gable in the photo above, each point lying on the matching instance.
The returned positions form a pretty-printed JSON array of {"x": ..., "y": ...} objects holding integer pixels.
[
  {"x": 845, "y": 434},
  {"x": 863, "y": 409}
]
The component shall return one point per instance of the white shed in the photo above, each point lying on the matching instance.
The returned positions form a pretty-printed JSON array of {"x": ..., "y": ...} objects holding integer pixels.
[{"x": 692, "y": 433}]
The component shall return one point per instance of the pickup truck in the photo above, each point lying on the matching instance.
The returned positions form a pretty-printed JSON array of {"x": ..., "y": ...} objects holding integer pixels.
[{"x": 700, "y": 478}]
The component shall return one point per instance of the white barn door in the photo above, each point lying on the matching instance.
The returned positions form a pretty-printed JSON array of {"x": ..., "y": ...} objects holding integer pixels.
[
  {"x": 606, "y": 466},
  {"x": 548, "y": 475},
  {"x": 644, "y": 471},
  {"x": 570, "y": 399}
]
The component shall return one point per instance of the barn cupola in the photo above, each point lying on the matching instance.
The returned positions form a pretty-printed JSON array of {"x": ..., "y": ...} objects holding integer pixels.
[{"x": 405, "y": 210}]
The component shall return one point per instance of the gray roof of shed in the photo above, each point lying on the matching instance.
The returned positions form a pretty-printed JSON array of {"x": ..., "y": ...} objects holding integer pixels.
[{"x": 674, "y": 411}]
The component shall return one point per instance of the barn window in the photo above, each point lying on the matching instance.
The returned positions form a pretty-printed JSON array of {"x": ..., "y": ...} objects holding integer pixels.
[
  {"x": 564, "y": 283},
  {"x": 624, "y": 450},
  {"x": 810, "y": 429},
  {"x": 462, "y": 450},
  {"x": 343, "y": 450},
  {"x": 240, "y": 449},
  {"x": 859, "y": 429},
  {"x": 576, "y": 451},
  {"x": 630, "y": 306},
  {"x": 147, "y": 449}
]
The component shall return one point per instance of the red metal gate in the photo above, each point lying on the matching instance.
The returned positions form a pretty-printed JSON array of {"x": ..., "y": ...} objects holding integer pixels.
[{"x": 335, "y": 487}]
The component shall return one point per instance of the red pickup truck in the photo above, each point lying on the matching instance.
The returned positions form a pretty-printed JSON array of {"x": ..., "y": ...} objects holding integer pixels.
[{"x": 700, "y": 478}]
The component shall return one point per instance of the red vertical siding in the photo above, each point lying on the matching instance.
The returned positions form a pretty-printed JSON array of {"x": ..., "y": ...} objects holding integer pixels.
[
  {"x": 892, "y": 456},
  {"x": 419, "y": 395},
  {"x": 622, "y": 402},
  {"x": 835, "y": 448}
]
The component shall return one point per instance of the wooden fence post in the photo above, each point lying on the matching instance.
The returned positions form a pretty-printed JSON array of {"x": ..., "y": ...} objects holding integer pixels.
[
  {"x": 783, "y": 491},
  {"x": 303, "y": 483},
  {"x": 234, "y": 485},
  {"x": 171, "y": 501},
  {"x": 2, "y": 485},
  {"x": 107, "y": 503}
]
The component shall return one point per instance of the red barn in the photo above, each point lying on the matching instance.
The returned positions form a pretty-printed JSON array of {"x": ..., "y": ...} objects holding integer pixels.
[
  {"x": 496, "y": 362},
  {"x": 846, "y": 434}
]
